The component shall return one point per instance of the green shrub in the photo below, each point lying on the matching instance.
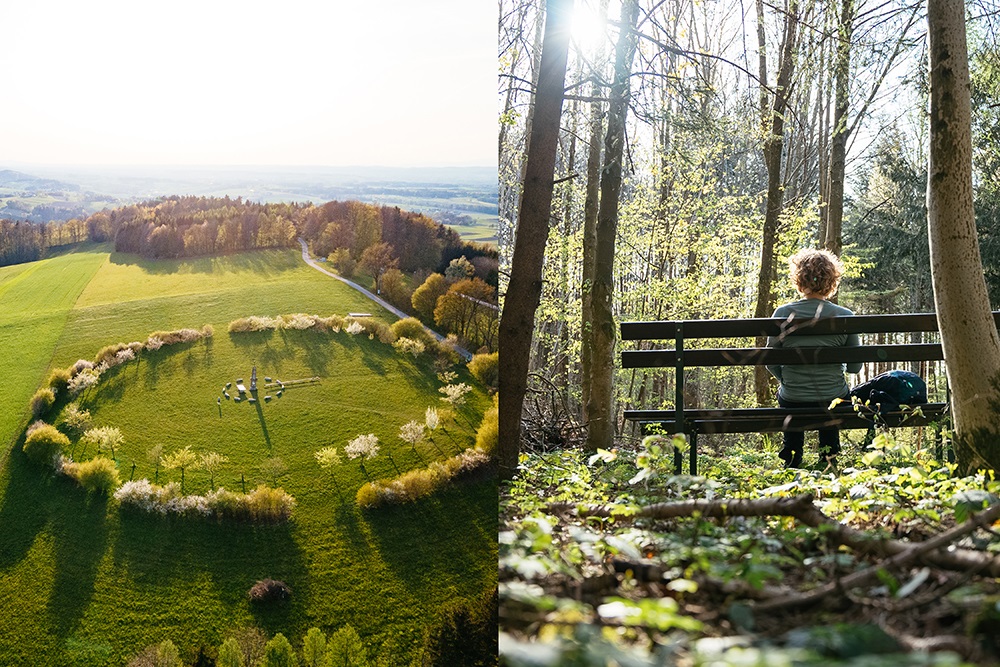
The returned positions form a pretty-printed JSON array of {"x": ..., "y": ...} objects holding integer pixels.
[
  {"x": 367, "y": 495},
  {"x": 378, "y": 329},
  {"x": 44, "y": 444},
  {"x": 42, "y": 402},
  {"x": 412, "y": 328},
  {"x": 486, "y": 369},
  {"x": 59, "y": 379},
  {"x": 98, "y": 475},
  {"x": 269, "y": 505},
  {"x": 488, "y": 433},
  {"x": 332, "y": 323}
]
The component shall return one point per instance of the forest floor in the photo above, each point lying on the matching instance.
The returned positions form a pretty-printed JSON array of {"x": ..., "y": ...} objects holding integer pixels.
[{"x": 613, "y": 558}]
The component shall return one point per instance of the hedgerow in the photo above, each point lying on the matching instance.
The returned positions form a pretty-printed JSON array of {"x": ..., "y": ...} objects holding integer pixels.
[
  {"x": 408, "y": 335},
  {"x": 262, "y": 505},
  {"x": 416, "y": 484}
]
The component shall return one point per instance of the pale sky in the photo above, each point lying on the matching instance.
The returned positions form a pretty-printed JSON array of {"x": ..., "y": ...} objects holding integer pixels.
[{"x": 221, "y": 82}]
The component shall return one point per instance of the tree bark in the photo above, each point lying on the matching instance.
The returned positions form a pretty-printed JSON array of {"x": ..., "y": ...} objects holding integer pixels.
[
  {"x": 590, "y": 206},
  {"x": 525, "y": 286},
  {"x": 600, "y": 416},
  {"x": 838, "y": 142},
  {"x": 773, "y": 147},
  {"x": 968, "y": 333}
]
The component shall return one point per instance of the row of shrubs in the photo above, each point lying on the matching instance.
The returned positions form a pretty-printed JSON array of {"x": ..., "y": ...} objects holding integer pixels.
[
  {"x": 416, "y": 484},
  {"x": 408, "y": 336},
  {"x": 409, "y": 328},
  {"x": 262, "y": 505},
  {"x": 85, "y": 373}
]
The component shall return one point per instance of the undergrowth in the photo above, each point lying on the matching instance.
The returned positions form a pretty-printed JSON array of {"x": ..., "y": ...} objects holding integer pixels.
[{"x": 583, "y": 590}]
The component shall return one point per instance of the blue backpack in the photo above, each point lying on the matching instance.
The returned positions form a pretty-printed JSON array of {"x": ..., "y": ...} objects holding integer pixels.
[{"x": 886, "y": 392}]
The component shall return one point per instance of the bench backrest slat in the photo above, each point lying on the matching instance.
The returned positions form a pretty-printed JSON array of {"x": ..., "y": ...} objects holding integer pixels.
[
  {"x": 753, "y": 356},
  {"x": 667, "y": 330}
]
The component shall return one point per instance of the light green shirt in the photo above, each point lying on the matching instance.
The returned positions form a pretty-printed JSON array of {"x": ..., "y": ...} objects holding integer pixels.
[{"x": 817, "y": 382}]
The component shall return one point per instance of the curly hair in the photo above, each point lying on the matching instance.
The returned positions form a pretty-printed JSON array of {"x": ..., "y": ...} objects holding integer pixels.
[{"x": 815, "y": 272}]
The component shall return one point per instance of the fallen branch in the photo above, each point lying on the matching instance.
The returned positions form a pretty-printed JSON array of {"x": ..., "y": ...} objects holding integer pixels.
[
  {"x": 900, "y": 559},
  {"x": 802, "y": 508}
]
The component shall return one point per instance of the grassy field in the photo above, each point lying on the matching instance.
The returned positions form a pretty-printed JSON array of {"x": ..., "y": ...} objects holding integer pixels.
[{"x": 88, "y": 585}]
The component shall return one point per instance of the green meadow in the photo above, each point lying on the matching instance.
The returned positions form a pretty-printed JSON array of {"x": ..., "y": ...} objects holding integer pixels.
[{"x": 86, "y": 583}]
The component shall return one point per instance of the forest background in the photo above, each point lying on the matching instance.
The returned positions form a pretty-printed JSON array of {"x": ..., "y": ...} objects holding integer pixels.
[{"x": 750, "y": 130}]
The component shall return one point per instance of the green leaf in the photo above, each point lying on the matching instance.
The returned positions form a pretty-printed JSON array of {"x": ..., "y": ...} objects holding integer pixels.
[{"x": 971, "y": 501}]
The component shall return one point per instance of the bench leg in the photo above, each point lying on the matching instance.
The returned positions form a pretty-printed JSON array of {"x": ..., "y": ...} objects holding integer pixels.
[
  {"x": 693, "y": 453},
  {"x": 678, "y": 461}
]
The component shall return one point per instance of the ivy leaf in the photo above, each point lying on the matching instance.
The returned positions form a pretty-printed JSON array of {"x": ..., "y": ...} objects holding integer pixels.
[{"x": 971, "y": 501}]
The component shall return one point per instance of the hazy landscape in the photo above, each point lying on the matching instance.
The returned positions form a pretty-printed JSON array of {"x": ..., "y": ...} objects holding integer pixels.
[{"x": 464, "y": 198}]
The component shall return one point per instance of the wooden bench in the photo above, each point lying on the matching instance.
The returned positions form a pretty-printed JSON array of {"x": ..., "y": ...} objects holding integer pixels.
[{"x": 691, "y": 422}]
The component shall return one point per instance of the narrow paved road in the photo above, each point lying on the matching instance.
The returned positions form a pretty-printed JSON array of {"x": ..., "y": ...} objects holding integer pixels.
[{"x": 374, "y": 297}]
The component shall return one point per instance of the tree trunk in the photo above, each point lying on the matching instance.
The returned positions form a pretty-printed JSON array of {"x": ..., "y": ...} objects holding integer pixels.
[
  {"x": 773, "y": 147},
  {"x": 525, "y": 286},
  {"x": 600, "y": 414},
  {"x": 590, "y": 204},
  {"x": 838, "y": 142},
  {"x": 968, "y": 333}
]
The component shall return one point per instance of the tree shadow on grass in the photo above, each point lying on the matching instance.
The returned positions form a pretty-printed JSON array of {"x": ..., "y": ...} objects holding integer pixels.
[
  {"x": 448, "y": 539},
  {"x": 37, "y": 501},
  {"x": 164, "y": 553}
]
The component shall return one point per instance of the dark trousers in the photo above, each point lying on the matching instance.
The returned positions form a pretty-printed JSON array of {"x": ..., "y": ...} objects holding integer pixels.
[{"x": 794, "y": 441}]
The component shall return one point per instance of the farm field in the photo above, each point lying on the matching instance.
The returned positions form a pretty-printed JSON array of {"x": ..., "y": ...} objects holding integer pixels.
[{"x": 90, "y": 584}]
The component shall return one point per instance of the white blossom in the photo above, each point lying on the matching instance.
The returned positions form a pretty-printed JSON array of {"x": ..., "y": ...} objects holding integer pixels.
[
  {"x": 431, "y": 419},
  {"x": 408, "y": 345},
  {"x": 411, "y": 432},
  {"x": 86, "y": 378},
  {"x": 455, "y": 393},
  {"x": 365, "y": 446}
]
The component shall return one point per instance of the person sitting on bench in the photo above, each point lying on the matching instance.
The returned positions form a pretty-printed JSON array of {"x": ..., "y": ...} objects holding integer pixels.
[{"x": 816, "y": 276}]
